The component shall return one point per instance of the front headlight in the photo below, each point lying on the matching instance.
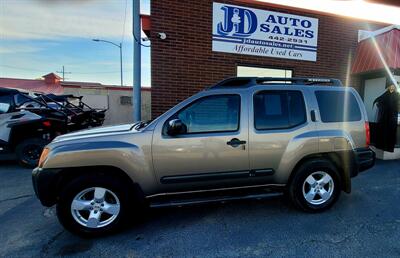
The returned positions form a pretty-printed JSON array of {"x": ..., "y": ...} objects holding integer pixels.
[{"x": 43, "y": 156}]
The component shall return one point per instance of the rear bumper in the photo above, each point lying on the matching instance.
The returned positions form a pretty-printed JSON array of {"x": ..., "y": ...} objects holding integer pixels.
[
  {"x": 365, "y": 159},
  {"x": 45, "y": 185}
]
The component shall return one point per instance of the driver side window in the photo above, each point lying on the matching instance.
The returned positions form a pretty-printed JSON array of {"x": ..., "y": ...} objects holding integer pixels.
[{"x": 219, "y": 113}]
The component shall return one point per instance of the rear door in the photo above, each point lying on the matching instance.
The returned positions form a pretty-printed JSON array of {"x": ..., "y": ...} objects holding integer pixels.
[{"x": 279, "y": 126}]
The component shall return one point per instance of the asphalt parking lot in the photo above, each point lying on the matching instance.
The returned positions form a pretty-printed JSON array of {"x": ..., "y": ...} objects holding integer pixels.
[{"x": 365, "y": 223}]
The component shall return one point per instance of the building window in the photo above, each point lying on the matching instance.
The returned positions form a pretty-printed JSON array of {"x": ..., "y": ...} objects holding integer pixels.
[
  {"x": 248, "y": 71},
  {"x": 126, "y": 100}
]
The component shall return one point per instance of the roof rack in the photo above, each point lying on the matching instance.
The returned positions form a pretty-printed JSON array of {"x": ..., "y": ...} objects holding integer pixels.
[{"x": 245, "y": 82}]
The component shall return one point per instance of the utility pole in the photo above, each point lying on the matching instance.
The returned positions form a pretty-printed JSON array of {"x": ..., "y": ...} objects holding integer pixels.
[
  {"x": 63, "y": 72},
  {"x": 136, "y": 98},
  {"x": 120, "y": 63}
]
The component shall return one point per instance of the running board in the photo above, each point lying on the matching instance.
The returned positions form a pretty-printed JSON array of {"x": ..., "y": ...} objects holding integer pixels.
[{"x": 182, "y": 202}]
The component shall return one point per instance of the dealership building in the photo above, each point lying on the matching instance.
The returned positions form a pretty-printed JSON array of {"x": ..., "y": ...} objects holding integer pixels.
[{"x": 207, "y": 41}]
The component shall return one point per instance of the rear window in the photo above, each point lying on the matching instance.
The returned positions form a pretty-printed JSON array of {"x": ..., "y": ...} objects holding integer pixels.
[{"x": 338, "y": 106}]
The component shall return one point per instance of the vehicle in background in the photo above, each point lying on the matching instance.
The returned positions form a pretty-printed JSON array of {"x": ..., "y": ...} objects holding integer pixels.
[
  {"x": 240, "y": 139},
  {"x": 29, "y": 121}
]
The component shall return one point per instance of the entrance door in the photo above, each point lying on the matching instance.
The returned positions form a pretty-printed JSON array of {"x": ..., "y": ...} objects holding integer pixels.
[
  {"x": 373, "y": 89},
  {"x": 212, "y": 153}
]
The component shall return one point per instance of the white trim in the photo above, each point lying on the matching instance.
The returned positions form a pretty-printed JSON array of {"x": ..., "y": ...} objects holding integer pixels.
[{"x": 365, "y": 34}]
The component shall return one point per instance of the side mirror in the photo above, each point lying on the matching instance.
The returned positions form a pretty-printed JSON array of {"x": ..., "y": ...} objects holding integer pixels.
[
  {"x": 4, "y": 108},
  {"x": 175, "y": 127}
]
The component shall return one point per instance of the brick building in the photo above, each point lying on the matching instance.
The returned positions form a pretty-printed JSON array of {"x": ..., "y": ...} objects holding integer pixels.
[{"x": 190, "y": 58}]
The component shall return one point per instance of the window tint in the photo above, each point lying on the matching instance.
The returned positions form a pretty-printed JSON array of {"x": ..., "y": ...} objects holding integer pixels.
[
  {"x": 278, "y": 109},
  {"x": 338, "y": 106},
  {"x": 212, "y": 114}
]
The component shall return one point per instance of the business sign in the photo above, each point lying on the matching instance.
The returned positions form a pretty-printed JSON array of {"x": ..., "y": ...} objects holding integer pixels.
[{"x": 249, "y": 31}]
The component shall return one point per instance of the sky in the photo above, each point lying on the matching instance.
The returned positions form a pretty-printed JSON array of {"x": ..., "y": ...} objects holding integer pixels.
[{"x": 40, "y": 36}]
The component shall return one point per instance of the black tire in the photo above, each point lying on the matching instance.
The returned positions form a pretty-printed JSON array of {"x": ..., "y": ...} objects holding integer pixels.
[
  {"x": 28, "y": 151},
  {"x": 114, "y": 184},
  {"x": 297, "y": 184}
]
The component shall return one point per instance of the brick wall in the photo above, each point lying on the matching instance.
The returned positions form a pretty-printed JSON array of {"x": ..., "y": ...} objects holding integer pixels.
[{"x": 184, "y": 63}]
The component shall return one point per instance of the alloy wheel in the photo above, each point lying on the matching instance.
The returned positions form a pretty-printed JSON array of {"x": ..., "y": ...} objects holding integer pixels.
[
  {"x": 318, "y": 188},
  {"x": 95, "y": 207}
]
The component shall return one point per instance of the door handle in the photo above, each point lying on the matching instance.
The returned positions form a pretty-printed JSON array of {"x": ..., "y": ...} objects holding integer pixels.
[
  {"x": 313, "y": 116},
  {"x": 235, "y": 142}
]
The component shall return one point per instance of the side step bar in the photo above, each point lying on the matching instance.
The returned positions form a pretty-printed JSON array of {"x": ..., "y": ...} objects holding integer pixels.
[{"x": 194, "y": 201}]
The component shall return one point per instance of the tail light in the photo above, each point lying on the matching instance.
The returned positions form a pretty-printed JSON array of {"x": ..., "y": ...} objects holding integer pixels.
[
  {"x": 367, "y": 134},
  {"x": 46, "y": 123}
]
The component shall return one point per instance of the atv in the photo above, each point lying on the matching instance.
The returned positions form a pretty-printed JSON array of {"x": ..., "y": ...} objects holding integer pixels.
[{"x": 30, "y": 121}]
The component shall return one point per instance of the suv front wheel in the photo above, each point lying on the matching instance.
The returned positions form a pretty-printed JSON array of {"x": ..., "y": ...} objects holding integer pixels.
[
  {"x": 93, "y": 205},
  {"x": 315, "y": 186}
]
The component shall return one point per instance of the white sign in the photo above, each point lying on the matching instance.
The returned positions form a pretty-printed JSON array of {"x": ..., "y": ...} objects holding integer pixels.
[{"x": 249, "y": 31}]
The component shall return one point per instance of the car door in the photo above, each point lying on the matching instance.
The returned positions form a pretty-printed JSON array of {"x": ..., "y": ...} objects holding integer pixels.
[
  {"x": 212, "y": 153},
  {"x": 280, "y": 132}
]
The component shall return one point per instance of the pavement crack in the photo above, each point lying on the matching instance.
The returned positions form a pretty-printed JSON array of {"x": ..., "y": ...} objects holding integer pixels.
[
  {"x": 336, "y": 242},
  {"x": 348, "y": 236},
  {"x": 45, "y": 248},
  {"x": 16, "y": 198}
]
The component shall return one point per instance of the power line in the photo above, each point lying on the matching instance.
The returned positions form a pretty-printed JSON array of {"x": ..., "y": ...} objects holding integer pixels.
[
  {"x": 123, "y": 29},
  {"x": 139, "y": 42}
]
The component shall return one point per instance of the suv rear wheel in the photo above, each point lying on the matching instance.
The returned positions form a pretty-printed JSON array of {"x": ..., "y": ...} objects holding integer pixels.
[
  {"x": 316, "y": 186},
  {"x": 93, "y": 205}
]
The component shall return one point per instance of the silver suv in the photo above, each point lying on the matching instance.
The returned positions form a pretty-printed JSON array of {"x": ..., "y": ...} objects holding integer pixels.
[{"x": 242, "y": 138}]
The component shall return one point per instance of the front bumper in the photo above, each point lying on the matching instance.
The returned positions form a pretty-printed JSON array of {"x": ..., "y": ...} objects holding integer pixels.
[
  {"x": 45, "y": 182},
  {"x": 365, "y": 159}
]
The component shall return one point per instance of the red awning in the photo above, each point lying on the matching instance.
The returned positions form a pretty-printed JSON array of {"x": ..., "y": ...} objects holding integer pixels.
[
  {"x": 367, "y": 56},
  {"x": 387, "y": 2}
]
